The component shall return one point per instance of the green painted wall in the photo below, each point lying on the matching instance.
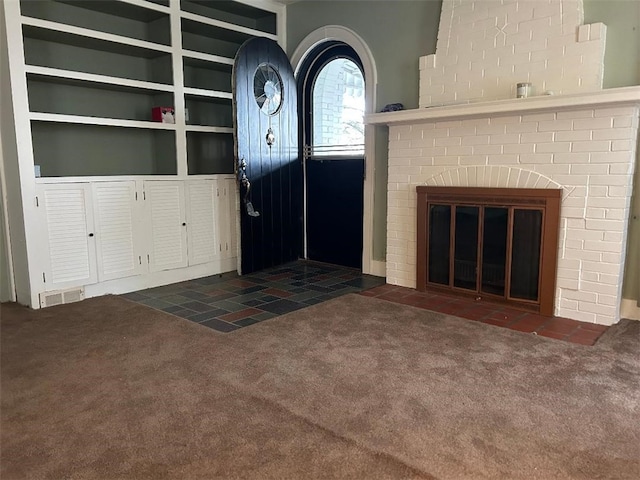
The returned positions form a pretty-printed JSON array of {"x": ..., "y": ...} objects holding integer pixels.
[
  {"x": 398, "y": 33},
  {"x": 5, "y": 294},
  {"x": 622, "y": 55}
]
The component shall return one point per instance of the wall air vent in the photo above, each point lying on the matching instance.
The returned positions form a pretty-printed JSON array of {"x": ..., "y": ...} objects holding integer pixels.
[{"x": 50, "y": 299}]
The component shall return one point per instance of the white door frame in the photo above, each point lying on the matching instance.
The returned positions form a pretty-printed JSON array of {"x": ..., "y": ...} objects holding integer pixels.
[{"x": 345, "y": 35}]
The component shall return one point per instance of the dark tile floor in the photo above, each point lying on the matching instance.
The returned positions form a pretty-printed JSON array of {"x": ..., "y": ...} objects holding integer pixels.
[{"x": 227, "y": 302}]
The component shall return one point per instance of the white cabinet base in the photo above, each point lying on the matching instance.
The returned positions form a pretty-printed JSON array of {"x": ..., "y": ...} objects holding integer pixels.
[
  {"x": 157, "y": 279},
  {"x": 138, "y": 233}
]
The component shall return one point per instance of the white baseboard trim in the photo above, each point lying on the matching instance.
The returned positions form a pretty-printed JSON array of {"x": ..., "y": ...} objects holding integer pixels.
[{"x": 629, "y": 309}]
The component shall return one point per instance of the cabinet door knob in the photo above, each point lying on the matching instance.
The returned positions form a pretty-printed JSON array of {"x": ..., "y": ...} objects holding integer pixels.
[
  {"x": 91, "y": 234},
  {"x": 184, "y": 224}
]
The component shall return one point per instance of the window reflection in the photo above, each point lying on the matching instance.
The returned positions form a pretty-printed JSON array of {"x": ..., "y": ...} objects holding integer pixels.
[
  {"x": 439, "y": 235},
  {"x": 338, "y": 109},
  {"x": 525, "y": 258},
  {"x": 466, "y": 248},
  {"x": 494, "y": 249}
]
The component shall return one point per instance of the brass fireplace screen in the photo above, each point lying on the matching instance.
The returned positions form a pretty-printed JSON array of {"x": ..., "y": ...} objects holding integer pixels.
[{"x": 498, "y": 244}]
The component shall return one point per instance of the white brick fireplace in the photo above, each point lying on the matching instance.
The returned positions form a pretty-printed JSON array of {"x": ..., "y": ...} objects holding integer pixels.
[{"x": 470, "y": 131}]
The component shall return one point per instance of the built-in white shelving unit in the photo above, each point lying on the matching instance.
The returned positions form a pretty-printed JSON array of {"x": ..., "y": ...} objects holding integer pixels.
[{"x": 85, "y": 77}]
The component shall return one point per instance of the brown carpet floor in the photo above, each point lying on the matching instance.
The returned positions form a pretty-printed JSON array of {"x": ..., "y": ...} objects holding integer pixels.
[{"x": 355, "y": 387}]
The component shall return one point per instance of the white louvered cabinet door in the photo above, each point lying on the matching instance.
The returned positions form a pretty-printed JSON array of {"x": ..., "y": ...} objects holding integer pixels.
[
  {"x": 166, "y": 212},
  {"x": 68, "y": 216},
  {"x": 116, "y": 230},
  {"x": 226, "y": 217},
  {"x": 202, "y": 231}
]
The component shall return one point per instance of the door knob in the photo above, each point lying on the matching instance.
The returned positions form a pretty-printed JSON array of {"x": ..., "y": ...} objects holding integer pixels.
[{"x": 270, "y": 137}]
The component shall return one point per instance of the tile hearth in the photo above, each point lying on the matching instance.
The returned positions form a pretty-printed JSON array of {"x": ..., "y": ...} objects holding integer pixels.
[{"x": 493, "y": 314}]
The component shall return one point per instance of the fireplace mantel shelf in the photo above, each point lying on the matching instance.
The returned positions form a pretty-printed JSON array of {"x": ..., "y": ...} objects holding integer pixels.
[{"x": 613, "y": 97}]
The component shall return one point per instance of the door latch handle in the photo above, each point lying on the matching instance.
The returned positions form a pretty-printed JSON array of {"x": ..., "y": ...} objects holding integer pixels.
[
  {"x": 244, "y": 181},
  {"x": 252, "y": 212}
]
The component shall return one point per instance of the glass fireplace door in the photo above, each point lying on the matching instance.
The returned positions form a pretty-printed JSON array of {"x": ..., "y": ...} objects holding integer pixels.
[
  {"x": 439, "y": 244},
  {"x": 525, "y": 259},
  {"x": 494, "y": 250},
  {"x": 465, "y": 263},
  {"x": 486, "y": 249}
]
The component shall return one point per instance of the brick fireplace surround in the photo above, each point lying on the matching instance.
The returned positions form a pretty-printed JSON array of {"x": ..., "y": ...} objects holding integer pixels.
[{"x": 469, "y": 132}]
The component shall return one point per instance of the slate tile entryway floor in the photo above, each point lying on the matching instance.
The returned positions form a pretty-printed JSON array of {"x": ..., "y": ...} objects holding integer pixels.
[{"x": 227, "y": 302}]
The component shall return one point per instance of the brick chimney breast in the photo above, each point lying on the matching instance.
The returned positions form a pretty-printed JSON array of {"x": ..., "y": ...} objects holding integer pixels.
[{"x": 486, "y": 47}]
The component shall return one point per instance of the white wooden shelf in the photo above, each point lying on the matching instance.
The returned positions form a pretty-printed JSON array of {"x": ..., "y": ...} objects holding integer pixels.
[
  {"x": 249, "y": 32},
  {"x": 100, "y": 81},
  {"x": 207, "y": 129},
  {"x": 101, "y": 179},
  {"x": 206, "y": 57},
  {"x": 199, "y": 92},
  {"x": 86, "y": 38},
  {"x": 109, "y": 122},
  {"x": 122, "y": 8}
]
